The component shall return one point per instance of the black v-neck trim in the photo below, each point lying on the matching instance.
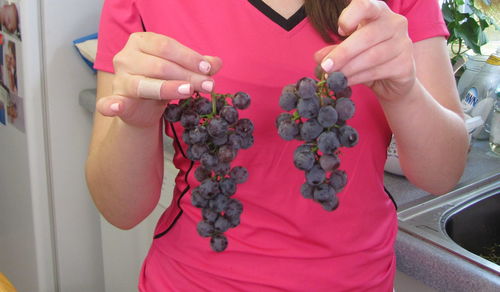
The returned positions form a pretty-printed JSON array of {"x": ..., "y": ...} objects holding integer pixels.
[{"x": 287, "y": 24}]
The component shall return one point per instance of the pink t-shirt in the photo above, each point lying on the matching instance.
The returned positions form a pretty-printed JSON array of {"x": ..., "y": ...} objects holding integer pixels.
[{"x": 284, "y": 242}]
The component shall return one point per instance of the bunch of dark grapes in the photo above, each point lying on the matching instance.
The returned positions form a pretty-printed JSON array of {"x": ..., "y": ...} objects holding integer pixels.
[
  {"x": 316, "y": 113},
  {"x": 214, "y": 134}
]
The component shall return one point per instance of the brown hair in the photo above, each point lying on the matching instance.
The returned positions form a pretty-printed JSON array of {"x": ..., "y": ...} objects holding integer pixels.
[{"x": 324, "y": 15}]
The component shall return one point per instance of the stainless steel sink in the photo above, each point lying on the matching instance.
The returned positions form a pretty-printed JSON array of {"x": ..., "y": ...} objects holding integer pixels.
[{"x": 465, "y": 222}]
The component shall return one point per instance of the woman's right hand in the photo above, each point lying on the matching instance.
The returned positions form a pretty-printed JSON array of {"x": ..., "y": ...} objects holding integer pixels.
[{"x": 151, "y": 70}]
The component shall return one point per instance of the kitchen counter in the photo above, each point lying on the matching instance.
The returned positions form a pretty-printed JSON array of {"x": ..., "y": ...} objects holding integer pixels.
[{"x": 427, "y": 262}]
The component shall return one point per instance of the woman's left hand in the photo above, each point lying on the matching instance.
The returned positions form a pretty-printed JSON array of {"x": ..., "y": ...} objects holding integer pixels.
[{"x": 377, "y": 51}]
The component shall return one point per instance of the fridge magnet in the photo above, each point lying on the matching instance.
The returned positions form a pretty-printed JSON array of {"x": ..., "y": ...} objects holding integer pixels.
[
  {"x": 4, "y": 101},
  {"x": 15, "y": 112},
  {"x": 9, "y": 18},
  {"x": 10, "y": 66},
  {"x": 3, "y": 114}
]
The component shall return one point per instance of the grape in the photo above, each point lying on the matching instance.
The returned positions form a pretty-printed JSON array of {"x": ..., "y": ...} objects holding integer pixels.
[
  {"x": 239, "y": 174},
  {"x": 247, "y": 142},
  {"x": 205, "y": 229},
  {"x": 221, "y": 140},
  {"x": 338, "y": 180},
  {"x": 209, "y": 161},
  {"x": 222, "y": 224},
  {"x": 306, "y": 88},
  {"x": 288, "y": 98},
  {"x": 317, "y": 112},
  {"x": 288, "y": 130},
  {"x": 336, "y": 81},
  {"x": 234, "y": 220},
  {"x": 331, "y": 204},
  {"x": 328, "y": 142},
  {"x": 345, "y": 108},
  {"x": 244, "y": 127},
  {"x": 202, "y": 106},
  {"x": 234, "y": 208},
  {"x": 217, "y": 127},
  {"x": 189, "y": 119},
  {"x": 173, "y": 113},
  {"x": 198, "y": 135},
  {"x": 348, "y": 136},
  {"x": 219, "y": 203},
  {"x": 308, "y": 108},
  {"x": 241, "y": 100},
  {"x": 222, "y": 169},
  {"x": 227, "y": 186},
  {"x": 303, "y": 160},
  {"x": 230, "y": 114},
  {"x": 201, "y": 173},
  {"x": 235, "y": 141},
  {"x": 226, "y": 153},
  {"x": 316, "y": 175},
  {"x": 344, "y": 93},
  {"x": 208, "y": 188},
  {"x": 218, "y": 242},
  {"x": 307, "y": 190},
  {"x": 219, "y": 104},
  {"x": 196, "y": 151},
  {"x": 283, "y": 117},
  {"x": 186, "y": 137},
  {"x": 327, "y": 116},
  {"x": 310, "y": 130},
  {"x": 329, "y": 162},
  {"x": 209, "y": 215},
  {"x": 323, "y": 192},
  {"x": 198, "y": 200}
]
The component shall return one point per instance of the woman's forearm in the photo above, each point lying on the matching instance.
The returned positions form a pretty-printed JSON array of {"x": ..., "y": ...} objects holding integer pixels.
[
  {"x": 125, "y": 171},
  {"x": 431, "y": 139}
]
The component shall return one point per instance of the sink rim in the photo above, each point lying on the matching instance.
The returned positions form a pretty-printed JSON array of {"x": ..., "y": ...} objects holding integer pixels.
[{"x": 427, "y": 220}]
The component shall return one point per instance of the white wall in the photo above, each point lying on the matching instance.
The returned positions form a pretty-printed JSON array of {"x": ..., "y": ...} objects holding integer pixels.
[{"x": 77, "y": 232}]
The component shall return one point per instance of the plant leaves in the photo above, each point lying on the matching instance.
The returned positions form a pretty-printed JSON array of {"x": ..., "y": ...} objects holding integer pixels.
[{"x": 469, "y": 31}]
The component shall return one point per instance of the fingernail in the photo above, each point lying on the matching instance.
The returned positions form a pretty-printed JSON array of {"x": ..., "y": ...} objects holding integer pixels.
[
  {"x": 207, "y": 85},
  {"x": 204, "y": 67},
  {"x": 327, "y": 65},
  {"x": 184, "y": 89},
  {"x": 115, "y": 107},
  {"x": 341, "y": 31}
]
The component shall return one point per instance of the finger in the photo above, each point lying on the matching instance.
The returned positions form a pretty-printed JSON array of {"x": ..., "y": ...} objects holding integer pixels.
[
  {"x": 123, "y": 107},
  {"x": 362, "y": 39},
  {"x": 322, "y": 53},
  {"x": 170, "y": 49},
  {"x": 398, "y": 69},
  {"x": 157, "y": 68},
  {"x": 359, "y": 12},
  {"x": 135, "y": 86},
  {"x": 374, "y": 56}
]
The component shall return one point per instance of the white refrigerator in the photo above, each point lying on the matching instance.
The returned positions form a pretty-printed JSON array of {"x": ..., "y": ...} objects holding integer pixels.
[{"x": 51, "y": 235}]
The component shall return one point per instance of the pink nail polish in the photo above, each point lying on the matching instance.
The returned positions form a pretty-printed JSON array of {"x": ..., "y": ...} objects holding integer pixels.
[
  {"x": 327, "y": 65},
  {"x": 204, "y": 67},
  {"x": 207, "y": 85},
  {"x": 115, "y": 107},
  {"x": 184, "y": 89}
]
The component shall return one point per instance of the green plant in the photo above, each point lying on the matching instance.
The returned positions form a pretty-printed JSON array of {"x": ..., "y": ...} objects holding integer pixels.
[{"x": 466, "y": 24}]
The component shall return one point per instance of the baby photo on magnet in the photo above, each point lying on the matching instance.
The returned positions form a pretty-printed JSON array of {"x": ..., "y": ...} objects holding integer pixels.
[{"x": 9, "y": 18}]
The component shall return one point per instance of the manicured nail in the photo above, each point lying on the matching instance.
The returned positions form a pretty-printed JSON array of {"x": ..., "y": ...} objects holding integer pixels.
[
  {"x": 341, "y": 31},
  {"x": 204, "y": 67},
  {"x": 327, "y": 65},
  {"x": 115, "y": 107},
  {"x": 207, "y": 85},
  {"x": 184, "y": 89}
]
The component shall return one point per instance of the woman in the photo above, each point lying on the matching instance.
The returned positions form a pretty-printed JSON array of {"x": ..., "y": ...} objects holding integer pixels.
[{"x": 395, "y": 58}]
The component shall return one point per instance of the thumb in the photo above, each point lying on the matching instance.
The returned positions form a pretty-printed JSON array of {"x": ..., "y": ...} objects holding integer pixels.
[
  {"x": 112, "y": 106},
  {"x": 322, "y": 53}
]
